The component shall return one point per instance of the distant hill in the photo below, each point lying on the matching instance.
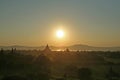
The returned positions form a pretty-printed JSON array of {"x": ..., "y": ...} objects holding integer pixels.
[
  {"x": 73, "y": 47},
  {"x": 93, "y": 48}
]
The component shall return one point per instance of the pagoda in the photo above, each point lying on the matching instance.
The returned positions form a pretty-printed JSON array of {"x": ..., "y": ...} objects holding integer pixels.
[{"x": 47, "y": 49}]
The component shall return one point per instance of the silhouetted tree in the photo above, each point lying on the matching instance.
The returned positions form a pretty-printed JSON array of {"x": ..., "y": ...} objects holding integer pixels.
[
  {"x": 15, "y": 77},
  {"x": 70, "y": 71},
  {"x": 112, "y": 75},
  {"x": 1, "y": 51},
  {"x": 85, "y": 74}
]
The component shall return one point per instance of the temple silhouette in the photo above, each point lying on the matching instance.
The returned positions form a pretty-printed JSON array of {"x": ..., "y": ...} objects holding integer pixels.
[{"x": 47, "y": 49}]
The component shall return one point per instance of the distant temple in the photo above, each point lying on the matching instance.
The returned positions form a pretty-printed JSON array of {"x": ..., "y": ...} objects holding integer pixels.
[
  {"x": 47, "y": 49},
  {"x": 67, "y": 50}
]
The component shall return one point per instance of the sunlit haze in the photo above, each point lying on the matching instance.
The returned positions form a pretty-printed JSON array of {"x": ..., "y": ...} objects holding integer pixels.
[{"x": 35, "y": 22}]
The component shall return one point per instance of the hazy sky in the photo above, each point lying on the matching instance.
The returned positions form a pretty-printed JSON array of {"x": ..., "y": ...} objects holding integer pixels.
[{"x": 34, "y": 22}]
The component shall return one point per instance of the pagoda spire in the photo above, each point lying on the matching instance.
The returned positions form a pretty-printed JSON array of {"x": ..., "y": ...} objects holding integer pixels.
[{"x": 47, "y": 49}]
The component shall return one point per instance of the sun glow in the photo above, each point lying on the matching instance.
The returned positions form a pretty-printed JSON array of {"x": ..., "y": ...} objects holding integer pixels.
[{"x": 60, "y": 33}]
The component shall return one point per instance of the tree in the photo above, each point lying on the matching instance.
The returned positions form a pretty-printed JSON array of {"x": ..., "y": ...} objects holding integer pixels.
[
  {"x": 15, "y": 77},
  {"x": 85, "y": 74}
]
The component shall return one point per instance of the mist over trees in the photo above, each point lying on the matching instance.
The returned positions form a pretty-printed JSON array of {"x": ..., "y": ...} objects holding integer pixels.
[{"x": 59, "y": 65}]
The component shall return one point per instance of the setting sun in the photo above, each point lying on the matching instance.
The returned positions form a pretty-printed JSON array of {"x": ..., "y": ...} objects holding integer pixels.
[{"x": 60, "y": 33}]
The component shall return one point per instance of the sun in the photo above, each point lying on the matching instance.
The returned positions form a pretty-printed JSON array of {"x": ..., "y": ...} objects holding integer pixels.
[{"x": 60, "y": 33}]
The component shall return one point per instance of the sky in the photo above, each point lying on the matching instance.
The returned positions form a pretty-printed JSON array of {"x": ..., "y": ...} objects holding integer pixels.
[{"x": 34, "y": 22}]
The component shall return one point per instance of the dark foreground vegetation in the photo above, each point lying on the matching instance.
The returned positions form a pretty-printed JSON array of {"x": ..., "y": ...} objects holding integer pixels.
[{"x": 59, "y": 65}]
